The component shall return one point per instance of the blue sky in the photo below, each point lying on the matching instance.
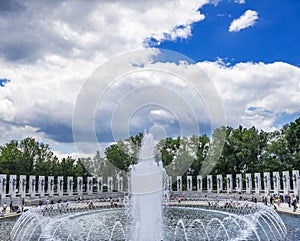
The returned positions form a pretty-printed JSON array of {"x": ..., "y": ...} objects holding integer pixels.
[
  {"x": 274, "y": 37},
  {"x": 248, "y": 51}
]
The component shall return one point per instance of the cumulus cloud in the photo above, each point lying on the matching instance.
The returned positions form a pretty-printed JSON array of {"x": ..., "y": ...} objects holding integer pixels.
[
  {"x": 49, "y": 49},
  {"x": 79, "y": 29},
  {"x": 56, "y": 46},
  {"x": 253, "y": 93},
  {"x": 247, "y": 20},
  {"x": 240, "y": 1}
]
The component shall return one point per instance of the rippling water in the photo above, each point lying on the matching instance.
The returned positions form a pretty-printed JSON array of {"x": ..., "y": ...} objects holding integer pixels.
[{"x": 108, "y": 220}]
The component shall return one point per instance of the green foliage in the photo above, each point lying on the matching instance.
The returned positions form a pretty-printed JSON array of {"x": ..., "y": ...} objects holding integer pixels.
[{"x": 229, "y": 151}]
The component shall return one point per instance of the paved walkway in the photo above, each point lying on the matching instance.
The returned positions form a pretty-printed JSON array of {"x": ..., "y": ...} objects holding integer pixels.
[{"x": 283, "y": 208}]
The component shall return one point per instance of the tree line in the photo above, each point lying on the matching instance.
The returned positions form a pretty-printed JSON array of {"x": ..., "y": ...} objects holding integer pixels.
[{"x": 245, "y": 150}]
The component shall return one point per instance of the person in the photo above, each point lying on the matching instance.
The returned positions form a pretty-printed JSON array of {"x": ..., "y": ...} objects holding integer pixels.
[
  {"x": 90, "y": 204},
  {"x": 11, "y": 207},
  {"x": 4, "y": 207},
  {"x": 289, "y": 200},
  {"x": 23, "y": 204},
  {"x": 294, "y": 204}
]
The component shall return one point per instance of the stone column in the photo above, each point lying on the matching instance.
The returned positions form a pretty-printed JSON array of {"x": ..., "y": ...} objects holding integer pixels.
[
  {"x": 110, "y": 184},
  {"x": 229, "y": 183},
  {"x": 70, "y": 183},
  {"x": 89, "y": 188},
  {"x": 120, "y": 184},
  {"x": 248, "y": 183},
  {"x": 295, "y": 176},
  {"x": 276, "y": 182},
  {"x": 199, "y": 183},
  {"x": 267, "y": 183},
  {"x": 41, "y": 187},
  {"x": 32, "y": 185},
  {"x": 238, "y": 183},
  {"x": 50, "y": 186},
  {"x": 209, "y": 183},
  {"x": 169, "y": 183},
  {"x": 79, "y": 186},
  {"x": 189, "y": 183},
  {"x": 100, "y": 184},
  {"x": 219, "y": 183},
  {"x": 286, "y": 182},
  {"x": 60, "y": 186},
  {"x": 179, "y": 183},
  {"x": 257, "y": 182},
  {"x": 3, "y": 183},
  {"x": 12, "y": 185},
  {"x": 22, "y": 185}
]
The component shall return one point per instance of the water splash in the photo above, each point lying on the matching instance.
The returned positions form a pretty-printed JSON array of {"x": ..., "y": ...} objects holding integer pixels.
[{"x": 146, "y": 194}]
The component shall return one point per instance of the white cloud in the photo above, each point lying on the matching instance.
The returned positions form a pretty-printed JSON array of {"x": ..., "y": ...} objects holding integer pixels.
[
  {"x": 158, "y": 115},
  {"x": 256, "y": 93},
  {"x": 248, "y": 19},
  {"x": 83, "y": 29},
  {"x": 55, "y": 46},
  {"x": 240, "y": 1}
]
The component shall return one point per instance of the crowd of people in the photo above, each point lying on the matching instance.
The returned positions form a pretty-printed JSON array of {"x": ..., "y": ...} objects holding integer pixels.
[
  {"x": 275, "y": 199},
  {"x": 12, "y": 208}
]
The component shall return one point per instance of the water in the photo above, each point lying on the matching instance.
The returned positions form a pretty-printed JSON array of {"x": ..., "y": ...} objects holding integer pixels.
[
  {"x": 292, "y": 223},
  {"x": 147, "y": 219},
  {"x": 146, "y": 194},
  {"x": 178, "y": 224}
]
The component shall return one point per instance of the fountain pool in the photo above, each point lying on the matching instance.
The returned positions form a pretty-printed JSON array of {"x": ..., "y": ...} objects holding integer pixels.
[
  {"x": 178, "y": 223},
  {"x": 146, "y": 218}
]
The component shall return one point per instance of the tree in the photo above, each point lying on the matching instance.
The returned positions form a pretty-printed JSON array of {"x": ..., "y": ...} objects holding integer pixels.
[
  {"x": 11, "y": 158},
  {"x": 292, "y": 136}
]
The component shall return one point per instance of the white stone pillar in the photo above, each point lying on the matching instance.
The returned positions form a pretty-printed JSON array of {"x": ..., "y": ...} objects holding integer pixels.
[
  {"x": 219, "y": 183},
  {"x": 209, "y": 183},
  {"x": 238, "y": 183},
  {"x": 257, "y": 183},
  {"x": 50, "y": 186},
  {"x": 295, "y": 176},
  {"x": 189, "y": 183},
  {"x": 100, "y": 184},
  {"x": 13, "y": 185},
  {"x": 22, "y": 185},
  {"x": 286, "y": 182},
  {"x": 179, "y": 183},
  {"x": 60, "y": 186},
  {"x": 89, "y": 188},
  {"x": 79, "y": 186},
  {"x": 267, "y": 182},
  {"x": 70, "y": 188},
  {"x": 32, "y": 185},
  {"x": 41, "y": 186},
  {"x": 199, "y": 183},
  {"x": 169, "y": 183},
  {"x": 3, "y": 183},
  {"x": 229, "y": 183},
  {"x": 276, "y": 182},
  {"x": 120, "y": 184},
  {"x": 110, "y": 184},
  {"x": 298, "y": 184},
  {"x": 248, "y": 183}
]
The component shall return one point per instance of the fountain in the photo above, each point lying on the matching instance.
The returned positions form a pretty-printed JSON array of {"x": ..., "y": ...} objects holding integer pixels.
[
  {"x": 146, "y": 218},
  {"x": 146, "y": 192}
]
